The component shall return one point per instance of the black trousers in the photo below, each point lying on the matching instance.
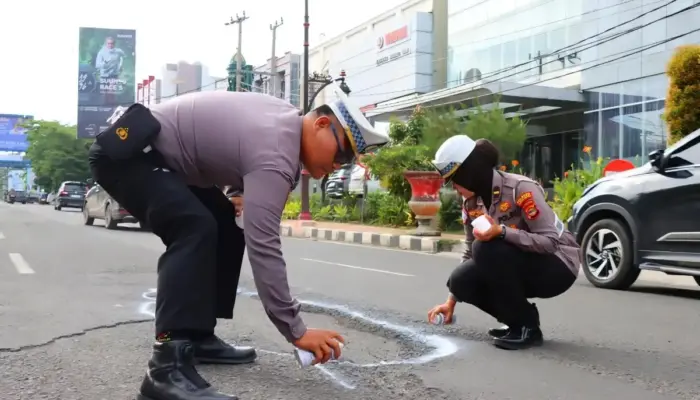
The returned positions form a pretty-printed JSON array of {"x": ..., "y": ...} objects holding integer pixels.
[
  {"x": 198, "y": 273},
  {"x": 500, "y": 278}
]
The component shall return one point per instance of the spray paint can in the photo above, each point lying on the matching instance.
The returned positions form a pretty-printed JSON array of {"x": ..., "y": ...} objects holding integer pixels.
[
  {"x": 306, "y": 358},
  {"x": 239, "y": 221},
  {"x": 440, "y": 319}
]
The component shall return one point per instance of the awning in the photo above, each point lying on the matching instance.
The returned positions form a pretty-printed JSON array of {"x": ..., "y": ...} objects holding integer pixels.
[{"x": 524, "y": 100}]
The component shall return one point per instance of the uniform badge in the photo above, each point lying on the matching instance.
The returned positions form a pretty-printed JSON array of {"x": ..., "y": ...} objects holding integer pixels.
[
  {"x": 514, "y": 226},
  {"x": 475, "y": 213},
  {"x": 527, "y": 203},
  {"x": 504, "y": 207},
  {"x": 496, "y": 193},
  {"x": 523, "y": 198},
  {"x": 123, "y": 133}
]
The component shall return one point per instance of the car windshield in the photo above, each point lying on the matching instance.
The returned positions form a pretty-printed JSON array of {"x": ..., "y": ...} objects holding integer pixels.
[{"x": 74, "y": 187}]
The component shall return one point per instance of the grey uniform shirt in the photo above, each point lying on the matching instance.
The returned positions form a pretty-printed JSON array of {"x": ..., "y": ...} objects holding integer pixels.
[
  {"x": 242, "y": 140},
  {"x": 531, "y": 224}
]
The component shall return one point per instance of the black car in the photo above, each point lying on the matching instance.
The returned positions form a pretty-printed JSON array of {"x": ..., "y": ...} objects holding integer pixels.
[
  {"x": 100, "y": 205},
  {"x": 70, "y": 194},
  {"x": 646, "y": 218},
  {"x": 339, "y": 182}
]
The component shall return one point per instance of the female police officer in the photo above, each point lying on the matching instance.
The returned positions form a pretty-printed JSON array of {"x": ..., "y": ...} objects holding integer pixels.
[{"x": 526, "y": 253}]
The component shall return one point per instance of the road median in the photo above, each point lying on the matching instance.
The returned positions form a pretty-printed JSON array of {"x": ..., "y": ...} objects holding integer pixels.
[{"x": 370, "y": 236}]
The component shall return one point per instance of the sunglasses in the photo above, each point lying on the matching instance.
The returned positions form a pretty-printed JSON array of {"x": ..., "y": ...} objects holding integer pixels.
[{"x": 344, "y": 154}]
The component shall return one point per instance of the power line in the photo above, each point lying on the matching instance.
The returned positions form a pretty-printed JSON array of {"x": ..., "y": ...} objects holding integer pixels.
[
  {"x": 552, "y": 53},
  {"x": 538, "y": 59},
  {"x": 418, "y": 51},
  {"x": 398, "y": 106}
]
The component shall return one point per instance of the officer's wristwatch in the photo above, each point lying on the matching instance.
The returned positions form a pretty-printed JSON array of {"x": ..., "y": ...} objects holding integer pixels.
[{"x": 503, "y": 232}]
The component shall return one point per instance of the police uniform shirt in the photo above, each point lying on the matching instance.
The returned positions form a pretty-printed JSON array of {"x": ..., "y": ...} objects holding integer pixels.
[
  {"x": 242, "y": 140},
  {"x": 519, "y": 204}
]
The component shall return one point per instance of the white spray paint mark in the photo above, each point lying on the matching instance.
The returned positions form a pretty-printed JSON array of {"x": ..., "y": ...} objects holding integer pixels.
[
  {"x": 356, "y": 267},
  {"x": 21, "y": 265},
  {"x": 442, "y": 346}
]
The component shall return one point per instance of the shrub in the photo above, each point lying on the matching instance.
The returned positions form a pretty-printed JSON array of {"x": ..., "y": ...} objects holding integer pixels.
[
  {"x": 341, "y": 213},
  {"x": 393, "y": 211},
  {"x": 292, "y": 209},
  {"x": 569, "y": 189},
  {"x": 450, "y": 213},
  {"x": 683, "y": 98}
]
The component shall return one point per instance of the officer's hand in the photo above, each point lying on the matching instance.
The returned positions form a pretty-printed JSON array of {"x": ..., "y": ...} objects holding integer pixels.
[
  {"x": 493, "y": 231},
  {"x": 447, "y": 310},
  {"x": 238, "y": 203},
  {"x": 322, "y": 343}
]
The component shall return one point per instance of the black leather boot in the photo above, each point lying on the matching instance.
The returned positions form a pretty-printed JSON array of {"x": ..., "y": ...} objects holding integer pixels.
[
  {"x": 502, "y": 331},
  {"x": 212, "y": 350},
  {"x": 520, "y": 338},
  {"x": 171, "y": 375}
]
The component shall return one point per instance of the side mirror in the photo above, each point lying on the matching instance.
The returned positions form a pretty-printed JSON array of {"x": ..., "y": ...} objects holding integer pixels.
[{"x": 656, "y": 157}]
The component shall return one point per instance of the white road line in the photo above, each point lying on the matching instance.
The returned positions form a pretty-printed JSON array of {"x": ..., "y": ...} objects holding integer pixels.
[
  {"x": 355, "y": 267},
  {"x": 2, "y": 236},
  {"x": 21, "y": 265}
]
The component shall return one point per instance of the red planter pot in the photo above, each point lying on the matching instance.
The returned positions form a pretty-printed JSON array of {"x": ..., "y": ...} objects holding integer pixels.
[{"x": 425, "y": 199}]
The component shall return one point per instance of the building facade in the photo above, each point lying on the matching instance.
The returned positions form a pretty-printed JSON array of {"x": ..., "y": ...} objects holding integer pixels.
[
  {"x": 581, "y": 73},
  {"x": 180, "y": 78},
  {"x": 388, "y": 57},
  {"x": 286, "y": 78}
]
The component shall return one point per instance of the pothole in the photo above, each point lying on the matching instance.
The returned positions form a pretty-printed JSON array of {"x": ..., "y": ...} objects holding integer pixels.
[{"x": 371, "y": 342}]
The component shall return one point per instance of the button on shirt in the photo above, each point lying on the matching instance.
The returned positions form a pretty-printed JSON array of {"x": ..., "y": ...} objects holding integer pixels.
[
  {"x": 249, "y": 142},
  {"x": 519, "y": 204}
]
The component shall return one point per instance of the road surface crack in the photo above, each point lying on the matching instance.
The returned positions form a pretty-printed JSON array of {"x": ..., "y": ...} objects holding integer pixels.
[{"x": 74, "y": 334}]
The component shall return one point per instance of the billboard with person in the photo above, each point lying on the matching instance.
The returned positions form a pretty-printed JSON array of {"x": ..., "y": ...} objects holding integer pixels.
[
  {"x": 13, "y": 133},
  {"x": 106, "y": 76}
]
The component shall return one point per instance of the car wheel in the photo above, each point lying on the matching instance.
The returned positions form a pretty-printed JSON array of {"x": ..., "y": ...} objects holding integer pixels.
[
  {"x": 58, "y": 207},
  {"x": 608, "y": 261},
  {"x": 110, "y": 223},
  {"x": 87, "y": 219}
]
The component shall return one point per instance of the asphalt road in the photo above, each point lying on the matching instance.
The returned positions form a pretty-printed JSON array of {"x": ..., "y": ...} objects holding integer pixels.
[{"x": 75, "y": 314}]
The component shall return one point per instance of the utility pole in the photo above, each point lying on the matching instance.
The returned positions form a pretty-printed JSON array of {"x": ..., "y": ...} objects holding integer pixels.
[
  {"x": 239, "y": 55},
  {"x": 273, "y": 59},
  {"x": 305, "y": 212}
]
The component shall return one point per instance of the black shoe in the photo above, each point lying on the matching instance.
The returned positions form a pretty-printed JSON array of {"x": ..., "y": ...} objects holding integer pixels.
[
  {"x": 520, "y": 339},
  {"x": 171, "y": 375},
  {"x": 502, "y": 331},
  {"x": 213, "y": 350}
]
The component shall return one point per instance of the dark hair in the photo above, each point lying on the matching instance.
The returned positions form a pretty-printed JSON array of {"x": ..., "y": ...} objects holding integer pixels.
[
  {"x": 324, "y": 110},
  {"x": 488, "y": 152}
]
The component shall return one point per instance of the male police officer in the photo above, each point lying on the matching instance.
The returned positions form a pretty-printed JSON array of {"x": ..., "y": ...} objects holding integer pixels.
[{"x": 166, "y": 166}]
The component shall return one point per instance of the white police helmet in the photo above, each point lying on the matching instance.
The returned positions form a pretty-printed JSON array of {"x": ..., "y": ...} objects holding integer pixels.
[
  {"x": 452, "y": 154},
  {"x": 362, "y": 135}
]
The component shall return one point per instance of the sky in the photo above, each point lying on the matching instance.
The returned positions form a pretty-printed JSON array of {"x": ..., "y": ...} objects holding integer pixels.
[{"x": 39, "y": 40}]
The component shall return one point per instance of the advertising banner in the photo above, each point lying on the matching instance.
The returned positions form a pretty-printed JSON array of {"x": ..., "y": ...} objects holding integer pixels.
[
  {"x": 106, "y": 76},
  {"x": 12, "y": 135}
]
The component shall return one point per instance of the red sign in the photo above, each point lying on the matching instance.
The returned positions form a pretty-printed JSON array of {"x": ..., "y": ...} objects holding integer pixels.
[
  {"x": 395, "y": 36},
  {"x": 616, "y": 166}
]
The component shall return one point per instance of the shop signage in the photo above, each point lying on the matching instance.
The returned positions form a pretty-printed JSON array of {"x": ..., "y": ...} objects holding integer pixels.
[
  {"x": 394, "y": 56},
  {"x": 390, "y": 39}
]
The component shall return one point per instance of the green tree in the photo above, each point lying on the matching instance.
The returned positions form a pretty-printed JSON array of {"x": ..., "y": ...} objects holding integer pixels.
[
  {"x": 56, "y": 154},
  {"x": 683, "y": 98},
  {"x": 508, "y": 134}
]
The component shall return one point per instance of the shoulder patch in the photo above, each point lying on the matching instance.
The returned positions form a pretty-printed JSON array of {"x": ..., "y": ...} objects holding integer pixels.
[
  {"x": 523, "y": 198},
  {"x": 505, "y": 206}
]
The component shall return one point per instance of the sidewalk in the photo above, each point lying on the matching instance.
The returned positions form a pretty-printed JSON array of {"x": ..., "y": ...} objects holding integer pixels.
[{"x": 400, "y": 238}]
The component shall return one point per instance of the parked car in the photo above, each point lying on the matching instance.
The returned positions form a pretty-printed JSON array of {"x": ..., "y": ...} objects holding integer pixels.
[
  {"x": 100, "y": 205},
  {"x": 51, "y": 197},
  {"x": 339, "y": 182},
  {"x": 20, "y": 197},
  {"x": 644, "y": 218},
  {"x": 358, "y": 177},
  {"x": 44, "y": 198},
  {"x": 70, "y": 194}
]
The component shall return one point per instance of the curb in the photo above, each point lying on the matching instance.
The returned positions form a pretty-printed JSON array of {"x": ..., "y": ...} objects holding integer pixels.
[{"x": 403, "y": 242}]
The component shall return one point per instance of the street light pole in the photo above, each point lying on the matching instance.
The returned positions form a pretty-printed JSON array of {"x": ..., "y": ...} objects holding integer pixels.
[{"x": 305, "y": 212}]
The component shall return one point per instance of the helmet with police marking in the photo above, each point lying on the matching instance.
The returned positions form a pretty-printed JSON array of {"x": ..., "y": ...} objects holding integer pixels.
[
  {"x": 452, "y": 154},
  {"x": 362, "y": 135}
]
